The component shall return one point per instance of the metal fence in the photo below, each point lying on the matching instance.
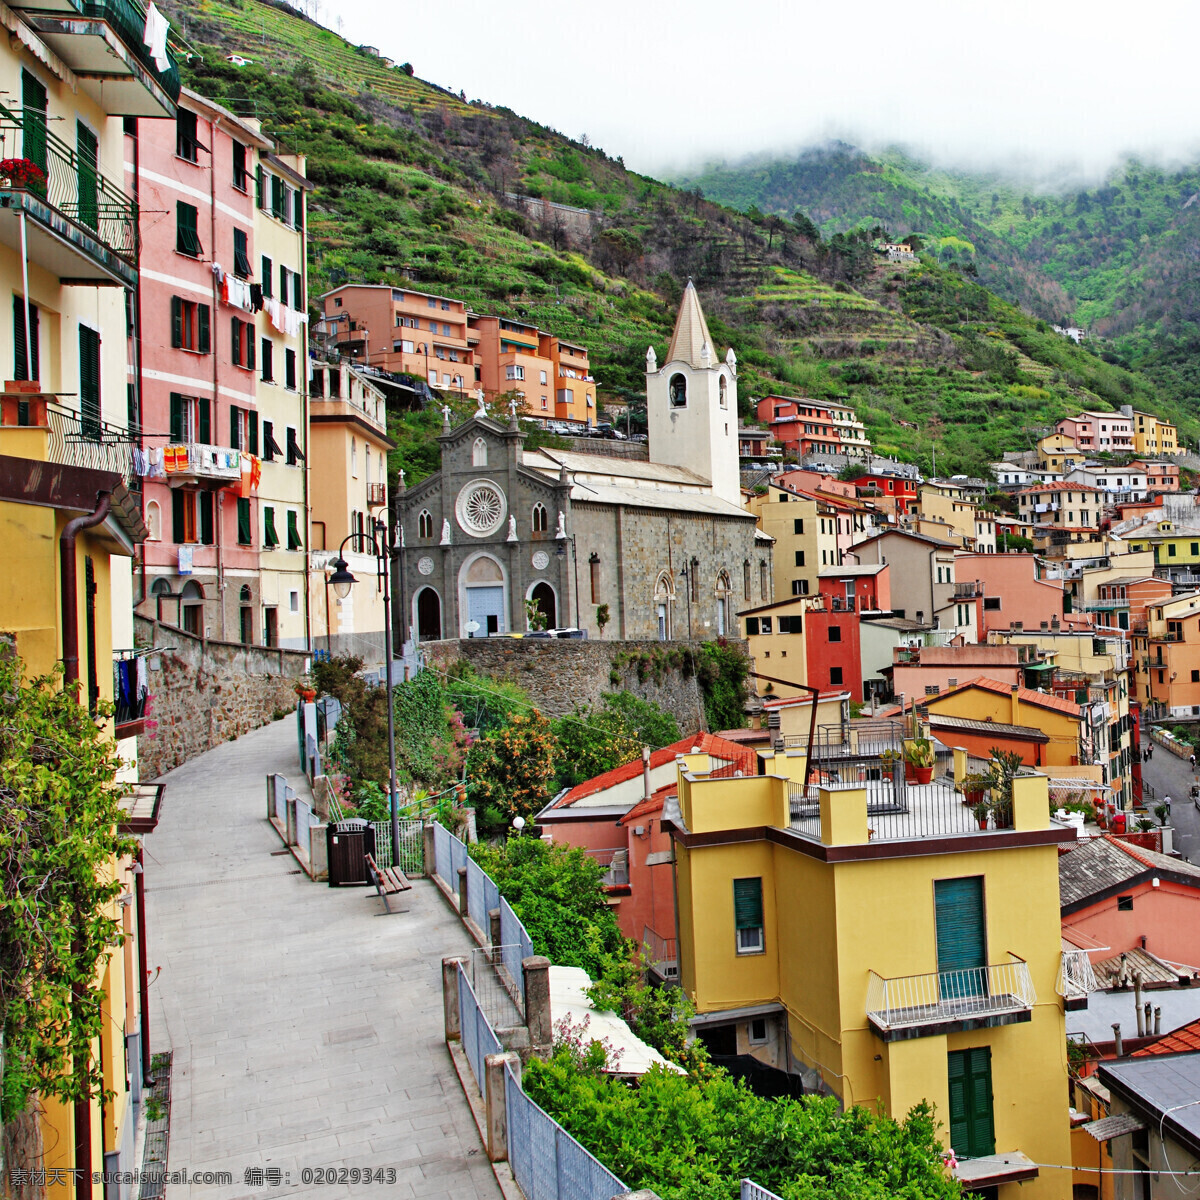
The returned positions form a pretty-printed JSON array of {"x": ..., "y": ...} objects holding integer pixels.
[
  {"x": 478, "y": 1040},
  {"x": 515, "y": 947},
  {"x": 497, "y": 994},
  {"x": 412, "y": 845},
  {"x": 548, "y": 1163},
  {"x": 441, "y": 855},
  {"x": 482, "y": 896},
  {"x": 83, "y": 440},
  {"x": 755, "y": 1191}
]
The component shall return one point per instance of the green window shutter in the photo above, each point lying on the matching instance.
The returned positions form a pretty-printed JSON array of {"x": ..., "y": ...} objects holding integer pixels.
[
  {"x": 33, "y": 103},
  {"x": 271, "y": 538},
  {"x": 176, "y": 419},
  {"x": 87, "y": 175},
  {"x": 972, "y": 1127},
  {"x": 253, "y": 422},
  {"x": 248, "y": 334},
  {"x": 235, "y": 340},
  {"x": 289, "y": 369},
  {"x": 241, "y": 257},
  {"x": 961, "y": 936},
  {"x": 206, "y": 518},
  {"x": 187, "y": 236},
  {"x": 178, "y": 525},
  {"x": 298, "y": 211},
  {"x": 294, "y": 542},
  {"x": 19, "y": 371},
  {"x": 260, "y": 190},
  {"x": 176, "y": 321},
  {"x": 203, "y": 321},
  {"x": 267, "y": 268},
  {"x": 205, "y": 422},
  {"x": 268, "y": 366},
  {"x": 747, "y": 903},
  {"x": 283, "y": 284},
  {"x": 243, "y": 511},
  {"x": 234, "y": 431},
  {"x": 89, "y": 381},
  {"x": 276, "y": 197}
]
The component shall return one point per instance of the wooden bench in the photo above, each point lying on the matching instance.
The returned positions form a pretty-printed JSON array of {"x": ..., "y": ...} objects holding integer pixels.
[{"x": 390, "y": 881}]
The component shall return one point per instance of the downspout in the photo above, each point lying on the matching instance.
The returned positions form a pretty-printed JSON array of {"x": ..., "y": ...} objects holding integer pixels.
[
  {"x": 137, "y": 319},
  {"x": 70, "y": 585},
  {"x": 219, "y": 497},
  {"x": 139, "y": 891},
  {"x": 302, "y": 368}
]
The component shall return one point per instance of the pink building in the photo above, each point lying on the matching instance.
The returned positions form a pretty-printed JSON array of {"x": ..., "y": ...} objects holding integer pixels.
[
  {"x": 1121, "y": 897},
  {"x": 1006, "y": 588},
  {"x": 1160, "y": 476},
  {"x": 920, "y": 671},
  {"x": 192, "y": 348},
  {"x": 1099, "y": 432},
  {"x": 816, "y": 481},
  {"x": 853, "y": 588}
]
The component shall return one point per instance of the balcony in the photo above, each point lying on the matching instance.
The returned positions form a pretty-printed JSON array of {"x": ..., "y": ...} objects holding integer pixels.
[
  {"x": 72, "y": 439},
  {"x": 193, "y": 463},
  {"x": 968, "y": 591},
  {"x": 102, "y": 42},
  {"x": 376, "y": 495},
  {"x": 662, "y": 955},
  {"x": 974, "y": 998},
  {"x": 80, "y": 226},
  {"x": 616, "y": 864},
  {"x": 129, "y": 695}
]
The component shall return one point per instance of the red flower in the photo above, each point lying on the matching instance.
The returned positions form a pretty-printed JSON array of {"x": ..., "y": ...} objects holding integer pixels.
[{"x": 22, "y": 172}]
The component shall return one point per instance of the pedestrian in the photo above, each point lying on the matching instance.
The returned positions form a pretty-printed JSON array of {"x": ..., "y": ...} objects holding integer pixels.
[
  {"x": 1167, "y": 802},
  {"x": 1193, "y": 762},
  {"x": 1145, "y": 756}
]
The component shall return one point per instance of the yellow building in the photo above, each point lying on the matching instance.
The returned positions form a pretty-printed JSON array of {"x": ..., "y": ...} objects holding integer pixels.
[
  {"x": 1152, "y": 435},
  {"x": 871, "y": 936},
  {"x": 282, "y": 401},
  {"x": 806, "y": 538},
  {"x": 775, "y": 637},
  {"x": 1057, "y": 452},
  {"x": 348, "y": 438},
  {"x": 1167, "y": 657},
  {"x": 947, "y": 514}
]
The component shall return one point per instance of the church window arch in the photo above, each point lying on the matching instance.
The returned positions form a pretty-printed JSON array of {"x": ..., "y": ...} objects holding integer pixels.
[
  {"x": 677, "y": 390},
  {"x": 479, "y": 453},
  {"x": 746, "y": 579},
  {"x": 723, "y": 392},
  {"x": 763, "y": 588},
  {"x": 425, "y": 524},
  {"x": 541, "y": 518},
  {"x": 724, "y": 591}
]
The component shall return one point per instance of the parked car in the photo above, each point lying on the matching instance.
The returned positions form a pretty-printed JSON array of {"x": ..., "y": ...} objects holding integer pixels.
[{"x": 639, "y": 437}]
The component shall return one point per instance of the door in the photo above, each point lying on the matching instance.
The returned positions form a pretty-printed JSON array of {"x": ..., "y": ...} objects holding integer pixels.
[
  {"x": 972, "y": 1128},
  {"x": 193, "y": 619},
  {"x": 33, "y": 116},
  {"x": 543, "y": 596},
  {"x": 87, "y": 165},
  {"x": 961, "y": 937},
  {"x": 247, "y": 626},
  {"x": 485, "y": 608},
  {"x": 429, "y": 616},
  {"x": 270, "y": 626}
]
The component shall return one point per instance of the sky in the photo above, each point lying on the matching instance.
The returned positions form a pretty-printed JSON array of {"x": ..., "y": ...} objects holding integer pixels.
[{"x": 1039, "y": 90}]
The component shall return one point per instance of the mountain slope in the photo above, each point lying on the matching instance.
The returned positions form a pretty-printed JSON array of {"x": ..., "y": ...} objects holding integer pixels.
[{"x": 417, "y": 184}]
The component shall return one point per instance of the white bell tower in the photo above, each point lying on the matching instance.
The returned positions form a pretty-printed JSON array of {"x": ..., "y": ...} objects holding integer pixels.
[{"x": 691, "y": 404}]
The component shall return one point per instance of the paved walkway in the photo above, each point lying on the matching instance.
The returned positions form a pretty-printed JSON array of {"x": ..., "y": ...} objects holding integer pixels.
[{"x": 306, "y": 1028}]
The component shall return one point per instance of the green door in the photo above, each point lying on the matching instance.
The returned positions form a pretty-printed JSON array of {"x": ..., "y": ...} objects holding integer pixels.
[
  {"x": 89, "y": 208},
  {"x": 961, "y": 938},
  {"x": 33, "y": 119},
  {"x": 972, "y": 1129}
]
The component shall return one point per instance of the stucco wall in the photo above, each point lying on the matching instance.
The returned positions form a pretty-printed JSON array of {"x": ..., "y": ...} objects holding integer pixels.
[
  {"x": 205, "y": 692},
  {"x": 561, "y": 673}
]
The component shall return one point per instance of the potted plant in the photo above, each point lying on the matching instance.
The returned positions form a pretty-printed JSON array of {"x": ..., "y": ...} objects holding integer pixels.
[
  {"x": 304, "y": 688},
  {"x": 981, "y": 811},
  {"x": 974, "y": 787},
  {"x": 890, "y": 758},
  {"x": 920, "y": 756},
  {"x": 22, "y": 173}
]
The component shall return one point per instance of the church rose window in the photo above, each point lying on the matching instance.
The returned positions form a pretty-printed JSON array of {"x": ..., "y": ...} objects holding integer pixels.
[{"x": 481, "y": 508}]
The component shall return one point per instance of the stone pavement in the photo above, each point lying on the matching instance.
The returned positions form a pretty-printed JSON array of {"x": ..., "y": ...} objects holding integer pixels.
[{"x": 306, "y": 1028}]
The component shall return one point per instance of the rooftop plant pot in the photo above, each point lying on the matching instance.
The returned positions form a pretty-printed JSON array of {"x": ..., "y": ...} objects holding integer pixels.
[{"x": 923, "y": 774}]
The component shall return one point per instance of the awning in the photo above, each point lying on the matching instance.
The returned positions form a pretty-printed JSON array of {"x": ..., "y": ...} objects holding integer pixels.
[
  {"x": 1013, "y": 1167},
  {"x": 1114, "y": 1126}
]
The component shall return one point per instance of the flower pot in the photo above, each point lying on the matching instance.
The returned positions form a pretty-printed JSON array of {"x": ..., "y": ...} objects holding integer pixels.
[
  {"x": 923, "y": 774},
  {"x": 308, "y": 697},
  {"x": 974, "y": 796},
  {"x": 983, "y": 822},
  {"x": 910, "y": 773}
]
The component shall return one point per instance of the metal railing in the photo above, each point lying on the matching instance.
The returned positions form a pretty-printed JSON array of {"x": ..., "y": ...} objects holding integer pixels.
[
  {"x": 376, "y": 494},
  {"x": 83, "y": 440},
  {"x": 1075, "y": 975},
  {"x": 202, "y": 461},
  {"x": 911, "y": 1001},
  {"x": 756, "y": 1191},
  {"x": 129, "y": 20},
  {"x": 616, "y": 863},
  {"x": 73, "y": 184},
  {"x": 662, "y": 954},
  {"x": 412, "y": 845},
  {"x": 478, "y": 1040}
]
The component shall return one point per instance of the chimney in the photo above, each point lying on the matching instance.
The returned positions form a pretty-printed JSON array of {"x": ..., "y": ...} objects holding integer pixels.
[
  {"x": 1016, "y": 704},
  {"x": 1157, "y": 1022},
  {"x": 646, "y": 772},
  {"x": 1118, "y": 1041}
]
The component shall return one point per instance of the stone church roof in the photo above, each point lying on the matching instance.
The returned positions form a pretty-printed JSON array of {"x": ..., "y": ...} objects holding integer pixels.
[{"x": 691, "y": 333}]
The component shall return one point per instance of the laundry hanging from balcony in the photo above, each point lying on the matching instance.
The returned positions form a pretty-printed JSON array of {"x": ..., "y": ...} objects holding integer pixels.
[
  {"x": 233, "y": 291},
  {"x": 155, "y": 37}
]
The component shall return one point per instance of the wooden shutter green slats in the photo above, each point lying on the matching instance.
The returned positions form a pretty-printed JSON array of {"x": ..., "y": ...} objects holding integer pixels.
[
  {"x": 243, "y": 519},
  {"x": 253, "y": 421},
  {"x": 294, "y": 542},
  {"x": 19, "y": 371},
  {"x": 87, "y": 175},
  {"x": 89, "y": 381},
  {"x": 178, "y": 523},
  {"x": 205, "y": 422},
  {"x": 206, "y": 518},
  {"x": 176, "y": 321},
  {"x": 961, "y": 936},
  {"x": 235, "y": 433},
  {"x": 176, "y": 419},
  {"x": 271, "y": 538},
  {"x": 972, "y": 1126},
  {"x": 33, "y": 119},
  {"x": 203, "y": 321},
  {"x": 747, "y": 903}
]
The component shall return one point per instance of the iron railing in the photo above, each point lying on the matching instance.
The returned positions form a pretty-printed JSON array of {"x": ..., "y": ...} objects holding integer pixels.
[
  {"x": 1075, "y": 975},
  {"x": 128, "y": 18},
  {"x": 756, "y": 1191},
  {"x": 129, "y": 700},
  {"x": 616, "y": 864},
  {"x": 911, "y": 1001},
  {"x": 74, "y": 185},
  {"x": 662, "y": 954},
  {"x": 83, "y": 440}
]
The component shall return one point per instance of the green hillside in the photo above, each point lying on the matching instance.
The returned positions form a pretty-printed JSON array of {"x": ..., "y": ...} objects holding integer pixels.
[{"x": 416, "y": 184}]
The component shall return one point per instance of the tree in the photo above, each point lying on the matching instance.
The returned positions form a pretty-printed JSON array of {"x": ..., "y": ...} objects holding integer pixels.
[
  {"x": 59, "y": 842},
  {"x": 594, "y": 740},
  {"x": 509, "y": 770},
  {"x": 852, "y": 471}
]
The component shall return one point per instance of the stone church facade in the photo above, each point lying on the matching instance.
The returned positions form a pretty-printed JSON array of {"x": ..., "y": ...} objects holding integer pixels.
[{"x": 665, "y": 544}]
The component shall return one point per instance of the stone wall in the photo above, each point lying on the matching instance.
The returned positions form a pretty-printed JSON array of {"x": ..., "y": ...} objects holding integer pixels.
[
  {"x": 205, "y": 692},
  {"x": 561, "y": 673}
]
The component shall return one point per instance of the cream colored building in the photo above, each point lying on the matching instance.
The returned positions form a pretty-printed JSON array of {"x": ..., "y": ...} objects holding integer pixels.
[
  {"x": 282, "y": 399},
  {"x": 806, "y": 538}
]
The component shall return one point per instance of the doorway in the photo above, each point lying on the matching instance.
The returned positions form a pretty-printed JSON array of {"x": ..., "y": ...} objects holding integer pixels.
[
  {"x": 429, "y": 616},
  {"x": 543, "y": 596}
]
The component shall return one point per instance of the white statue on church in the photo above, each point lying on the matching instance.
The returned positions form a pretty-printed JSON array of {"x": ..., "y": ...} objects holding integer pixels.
[
  {"x": 512, "y": 407},
  {"x": 445, "y": 532},
  {"x": 651, "y": 361},
  {"x": 512, "y": 528},
  {"x": 561, "y": 531},
  {"x": 731, "y": 360},
  {"x": 403, "y": 543},
  {"x": 481, "y": 411}
]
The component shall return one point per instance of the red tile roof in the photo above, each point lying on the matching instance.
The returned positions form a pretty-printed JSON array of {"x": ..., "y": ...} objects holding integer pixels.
[
  {"x": 1059, "y": 487},
  {"x": 649, "y": 805},
  {"x": 1186, "y": 1037},
  {"x": 1026, "y": 695},
  {"x": 707, "y": 743}
]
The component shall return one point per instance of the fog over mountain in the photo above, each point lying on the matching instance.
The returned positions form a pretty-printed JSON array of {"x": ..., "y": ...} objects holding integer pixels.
[{"x": 1039, "y": 91}]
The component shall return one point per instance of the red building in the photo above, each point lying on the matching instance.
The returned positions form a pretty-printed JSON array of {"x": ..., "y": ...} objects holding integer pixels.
[
  {"x": 896, "y": 493},
  {"x": 805, "y": 426},
  {"x": 831, "y": 641}
]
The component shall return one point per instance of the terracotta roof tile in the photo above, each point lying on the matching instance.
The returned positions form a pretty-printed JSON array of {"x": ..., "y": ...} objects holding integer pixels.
[
  {"x": 1178, "y": 1041},
  {"x": 1026, "y": 695},
  {"x": 650, "y": 805}
]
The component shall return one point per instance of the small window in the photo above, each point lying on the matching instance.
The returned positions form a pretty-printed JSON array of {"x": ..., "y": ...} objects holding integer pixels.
[
  {"x": 748, "y": 915},
  {"x": 479, "y": 453},
  {"x": 425, "y": 524},
  {"x": 835, "y": 675},
  {"x": 758, "y": 1032},
  {"x": 991, "y": 603},
  {"x": 835, "y": 633},
  {"x": 267, "y": 267},
  {"x": 268, "y": 361},
  {"x": 798, "y": 525},
  {"x": 751, "y": 626},
  {"x": 766, "y": 625},
  {"x": 270, "y": 537},
  {"x": 241, "y": 176},
  {"x": 241, "y": 257},
  {"x": 1125, "y": 904},
  {"x": 187, "y": 145},
  {"x": 1196, "y": 676},
  {"x": 723, "y": 392},
  {"x": 541, "y": 519},
  {"x": 799, "y": 587},
  {"x": 799, "y": 558},
  {"x": 677, "y": 390}
]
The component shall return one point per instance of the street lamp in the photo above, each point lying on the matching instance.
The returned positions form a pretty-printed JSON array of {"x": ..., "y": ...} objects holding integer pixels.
[{"x": 342, "y": 581}]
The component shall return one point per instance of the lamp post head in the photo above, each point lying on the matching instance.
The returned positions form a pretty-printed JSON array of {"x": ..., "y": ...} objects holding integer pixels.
[{"x": 341, "y": 578}]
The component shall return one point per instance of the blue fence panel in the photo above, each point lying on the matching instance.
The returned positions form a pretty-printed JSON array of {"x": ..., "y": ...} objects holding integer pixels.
[
  {"x": 491, "y": 895},
  {"x": 477, "y": 1037},
  {"x": 548, "y": 1163},
  {"x": 441, "y": 854},
  {"x": 304, "y": 819},
  {"x": 458, "y": 858},
  {"x": 515, "y": 947},
  {"x": 477, "y": 908}
]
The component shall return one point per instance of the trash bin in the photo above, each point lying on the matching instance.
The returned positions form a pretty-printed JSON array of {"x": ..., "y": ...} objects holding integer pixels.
[{"x": 347, "y": 844}]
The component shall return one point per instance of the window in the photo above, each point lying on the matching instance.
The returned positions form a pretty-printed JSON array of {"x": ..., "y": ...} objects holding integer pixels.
[
  {"x": 425, "y": 524},
  {"x": 241, "y": 258},
  {"x": 268, "y": 362},
  {"x": 294, "y": 542},
  {"x": 799, "y": 558},
  {"x": 271, "y": 450},
  {"x": 835, "y": 674},
  {"x": 33, "y": 106},
  {"x": 1196, "y": 676},
  {"x": 746, "y": 579},
  {"x": 991, "y": 603},
  {"x": 512, "y": 372},
  {"x": 1171, "y": 550},
  {"x": 541, "y": 519},
  {"x": 972, "y": 1130},
  {"x": 748, "y": 915},
  {"x": 186, "y": 143},
  {"x": 763, "y": 582},
  {"x": 277, "y": 197},
  {"x": 543, "y": 378},
  {"x": 244, "y": 536},
  {"x": 243, "y": 429},
  {"x": 22, "y": 370},
  {"x": 284, "y": 279},
  {"x": 89, "y": 382},
  {"x": 270, "y": 537},
  {"x": 294, "y": 453},
  {"x": 183, "y": 517},
  {"x": 190, "y": 325},
  {"x": 791, "y": 625},
  {"x": 241, "y": 177},
  {"x": 242, "y": 343},
  {"x": 758, "y": 1031},
  {"x": 289, "y": 369},
  {"x": 594, "y": 571},
  {"x": 799, "y": 587},
  {"x": 798, "y": 525},
  {"x": 961, "y": 935},
  {"x": 677, "y": 390},
  {"x": 835, "y": 633},
  {"x": 723, "y": 392},
  {"x": 267, "y": 285},
  {"x": 187, "y": 237},
  {"x": 1125, "y": 904},
  {"x": 752, "y": 627},
  {"x": 766, "y": 625},
  {"x": 479, "y": 453}
]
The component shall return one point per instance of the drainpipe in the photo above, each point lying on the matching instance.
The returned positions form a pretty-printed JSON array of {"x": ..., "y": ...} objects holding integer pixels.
[
  {"x": 137, "y": 320},
  {"x": 139, "y": 891},
  {"x": 70, "y": 586}
]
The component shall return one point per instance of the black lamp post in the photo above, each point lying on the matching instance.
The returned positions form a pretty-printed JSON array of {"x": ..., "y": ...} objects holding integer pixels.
[{"x": 342, "y": 581}]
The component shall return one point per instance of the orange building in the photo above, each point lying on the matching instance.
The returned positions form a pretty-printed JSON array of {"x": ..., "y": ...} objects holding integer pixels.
[
  {"x": 1006, "y": 589},
  {"x": 402, "y": 331},
  {"x": 1167, "y": 656}
]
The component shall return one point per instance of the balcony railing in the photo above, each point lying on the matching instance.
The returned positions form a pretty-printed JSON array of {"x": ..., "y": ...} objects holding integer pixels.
[
  {"x": 616, "y": 863},
  {"x": 73, "y": 185},
  {"x": 129, "y": 695},
  {"x": 376, "y": 494},
  {"x": 82, "y": 440},
  {"x": 128, "y": 18},
  {"x": 662, "y": 954},
  {"x": 194, "y": 462},
  {"x": 976, "y": 994}
]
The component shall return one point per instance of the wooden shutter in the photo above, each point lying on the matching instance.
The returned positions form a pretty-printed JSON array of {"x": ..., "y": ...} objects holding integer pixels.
[
  {"x": 972, "y": 1127},
  {"x": 205, "y": 407},
  {"x": 747, "y": 903},
  {"x": 961, "y": 936},
  {"x": 248, "y": 333},
  {"x": 267, "y": 278},
  {"x": 89, "y": 381},
  {"x": 259, "y": 189},
  {"x": 19, "y": 371},
  {"x": 87, "y": 175},
  {"x": 243, "y": 518},
  {"x": 253, "y": 423},
  {"x": 176, "y": 321},
  {"x": 206, "y": 518},
  {"x": 33, "y": 118},
  {"x": 272, "y": 538},
  {"x": 235, "y": 439},
  {"x": 176, "y": 419},
  {"x": 289, "y": 360},
  {"x": 294, "y": 542},
  {"x": 204, "y": 323},
  {"x": 283, "y": 284},
  {"x": 178, "y": 523}
]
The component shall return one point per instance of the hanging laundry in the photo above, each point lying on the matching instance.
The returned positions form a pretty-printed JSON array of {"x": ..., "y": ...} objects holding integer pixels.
[
  {"x": 256, "y": 297},
  {"x": 155, "y": 37},
  {"x": 143, "y": 679}
]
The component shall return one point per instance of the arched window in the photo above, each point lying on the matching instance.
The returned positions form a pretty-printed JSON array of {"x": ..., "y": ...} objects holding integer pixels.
[
  {"x": 425, "y": 524},
  {"x": 723, "y": 392},
  {"x": 154, "y": 521},
  {"x": 541, "y": 519},
  {"x": 746, "y": 579},
  {"x": 479, "y": 453},
  {"x": 724, "y": 587},
  {"x": 677, "y": 390},
  {"x": 763, "y": 589},
  {"x": 192, "y": 591},
  {"x": 354, "y": 457},
  {"x": 367, "y": 462},
  {"x": 246, "y": 595},
  {"x": 160, "y": 587}
]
